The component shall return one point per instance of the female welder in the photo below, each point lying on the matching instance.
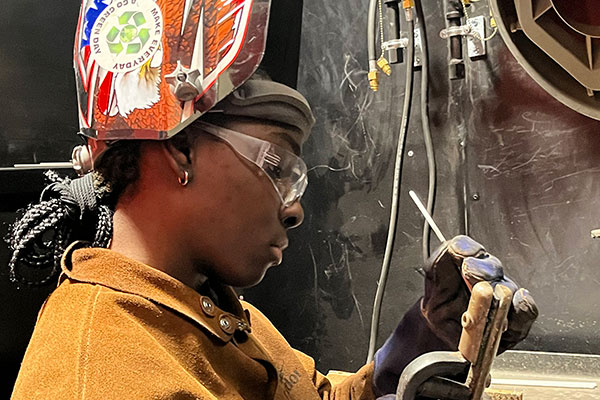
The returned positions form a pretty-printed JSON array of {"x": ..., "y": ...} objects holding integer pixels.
[{"x": 149, "y": 244}]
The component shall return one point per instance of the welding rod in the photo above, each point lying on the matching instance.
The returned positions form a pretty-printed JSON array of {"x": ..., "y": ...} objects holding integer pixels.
[{"x": 428, "y": 218}]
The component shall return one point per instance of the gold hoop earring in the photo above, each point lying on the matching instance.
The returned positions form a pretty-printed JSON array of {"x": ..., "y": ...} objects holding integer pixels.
[{"x": 185, "y": 180}]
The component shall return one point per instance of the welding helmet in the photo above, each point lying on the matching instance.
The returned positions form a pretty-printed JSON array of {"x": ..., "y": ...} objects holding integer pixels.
[{"x": 146, "y": 69}]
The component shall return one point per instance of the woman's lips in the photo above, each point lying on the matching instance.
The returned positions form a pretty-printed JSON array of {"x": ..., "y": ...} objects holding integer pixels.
[
  {"x": 277, "y": 253},
  {"x": 277, "y": 248}
]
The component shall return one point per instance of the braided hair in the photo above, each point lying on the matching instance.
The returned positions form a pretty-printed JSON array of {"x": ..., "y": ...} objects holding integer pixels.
[{"x": 70, "y": 210}]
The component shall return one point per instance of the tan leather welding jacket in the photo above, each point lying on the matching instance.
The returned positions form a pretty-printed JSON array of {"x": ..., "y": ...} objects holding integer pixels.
[{"x": 119, "y": 329}]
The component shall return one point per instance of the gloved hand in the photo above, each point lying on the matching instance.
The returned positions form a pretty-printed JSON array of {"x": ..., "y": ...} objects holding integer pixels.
[
  {"x": 447, "y": 292},
  {"x": 433, "y": 323}
]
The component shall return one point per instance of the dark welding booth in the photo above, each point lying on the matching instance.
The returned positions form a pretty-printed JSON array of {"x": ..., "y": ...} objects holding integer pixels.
[{"x": 513, "y": 108}]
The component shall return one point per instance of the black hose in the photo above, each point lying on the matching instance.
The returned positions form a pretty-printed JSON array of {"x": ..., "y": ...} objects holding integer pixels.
[
  {"x": 389, "y": 247},
  {"x": 371, "y": 27},
  {"x": 431, "y": 167}
]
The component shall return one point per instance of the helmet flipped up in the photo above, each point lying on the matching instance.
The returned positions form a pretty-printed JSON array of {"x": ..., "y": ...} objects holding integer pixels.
[{"x": 146, "y": 69}]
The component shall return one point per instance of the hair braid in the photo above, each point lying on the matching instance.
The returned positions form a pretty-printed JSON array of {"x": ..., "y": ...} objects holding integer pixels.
[
  {"x": 104, "y": 227},
  {"x": 27, "y": 242},
  {"x": 69, "y": 210}
]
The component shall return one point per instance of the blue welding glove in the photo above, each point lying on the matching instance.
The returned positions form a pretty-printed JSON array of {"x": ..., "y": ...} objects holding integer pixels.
[{"x": 433, "y": 323}]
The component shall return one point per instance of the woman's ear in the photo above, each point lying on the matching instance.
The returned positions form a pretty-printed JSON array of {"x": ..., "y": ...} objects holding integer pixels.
[{"x": 178, "y": 154}]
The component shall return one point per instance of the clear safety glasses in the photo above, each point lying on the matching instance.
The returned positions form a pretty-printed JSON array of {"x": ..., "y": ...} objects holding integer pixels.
[{"x": 286, "y": 170}]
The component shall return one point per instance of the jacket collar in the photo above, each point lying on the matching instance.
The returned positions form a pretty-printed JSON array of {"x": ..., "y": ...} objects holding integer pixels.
[{"x": 111, "y": 269}]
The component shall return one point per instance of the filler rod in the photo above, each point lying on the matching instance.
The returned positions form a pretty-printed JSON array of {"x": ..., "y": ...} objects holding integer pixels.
[{"x": 428, "y": 218}]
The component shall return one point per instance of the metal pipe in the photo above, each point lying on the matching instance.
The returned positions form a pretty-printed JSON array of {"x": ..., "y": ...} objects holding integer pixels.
[
  {"x": 392, "y": 14},
  {"x": 456, "y": 65}
]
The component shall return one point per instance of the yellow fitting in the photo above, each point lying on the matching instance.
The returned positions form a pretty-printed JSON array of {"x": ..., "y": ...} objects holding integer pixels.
[
  {"x": 384, "y": 65},
  {"x": 492, "y": 20},
  {"x": 373, "y": 80},
  {"x": 408, "y": 4}
]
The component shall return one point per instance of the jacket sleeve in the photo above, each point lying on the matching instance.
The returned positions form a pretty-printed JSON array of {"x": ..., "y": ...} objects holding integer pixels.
[{"x": 339, "y": 385}]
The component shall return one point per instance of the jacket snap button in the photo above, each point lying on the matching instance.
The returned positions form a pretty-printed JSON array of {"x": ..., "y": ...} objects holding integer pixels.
[
  {"x": 226, "y": 324},
  {"x": 207, "y": 306}
]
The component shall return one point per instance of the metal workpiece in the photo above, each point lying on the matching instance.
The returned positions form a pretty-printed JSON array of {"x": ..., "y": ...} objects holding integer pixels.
[
  {"x": 504, "y": 394},
  {"x": 548, "y": 376},
  {"x": 440, "y": 375},
  {"x": 523, "y": 375},
  {"x": 526, "y": 375},
  {"x": 433, "y": 367}
]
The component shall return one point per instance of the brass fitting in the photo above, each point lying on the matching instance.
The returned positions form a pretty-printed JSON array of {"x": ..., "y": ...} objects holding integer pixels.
[
  {"x": 408, "y": 6},
  {"x": 373, "y": 80},
  {"x": 492, "y": 20},
  {"x": 384, "y": 65}
]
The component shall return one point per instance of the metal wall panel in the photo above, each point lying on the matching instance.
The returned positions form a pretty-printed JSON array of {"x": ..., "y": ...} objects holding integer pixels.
[{"x": 517, "y": 170}]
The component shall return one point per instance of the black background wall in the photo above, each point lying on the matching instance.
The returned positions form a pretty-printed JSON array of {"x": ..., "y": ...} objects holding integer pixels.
[{"x": 516, "y": 170}]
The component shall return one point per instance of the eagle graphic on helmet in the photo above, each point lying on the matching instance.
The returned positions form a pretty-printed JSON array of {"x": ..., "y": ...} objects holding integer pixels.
[{"x": 146, "y": 69}]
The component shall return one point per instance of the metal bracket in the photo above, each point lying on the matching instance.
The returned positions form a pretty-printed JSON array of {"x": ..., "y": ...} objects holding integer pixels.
[
  {"x": 474, "y": 30},
  {"x": 418, "y": 48},
  {"x": 402, "y": 43},
  {"x": 461, "y": 30},
  {"x": 395, "y": 44},
  {"x": 475, "y": 40}
]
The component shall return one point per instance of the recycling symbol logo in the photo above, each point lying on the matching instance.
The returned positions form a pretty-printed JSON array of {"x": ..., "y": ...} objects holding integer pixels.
[
  {"x": 130, "y": 36},
  {"x": 126, "y": 35}
]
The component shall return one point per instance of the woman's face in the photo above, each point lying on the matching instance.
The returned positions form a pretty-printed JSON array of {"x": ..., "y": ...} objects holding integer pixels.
[{"x": 236, "y": 226}]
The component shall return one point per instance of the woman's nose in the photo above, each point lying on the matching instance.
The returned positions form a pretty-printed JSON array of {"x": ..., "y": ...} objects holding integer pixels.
[{"x": 292, "y": 216}]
